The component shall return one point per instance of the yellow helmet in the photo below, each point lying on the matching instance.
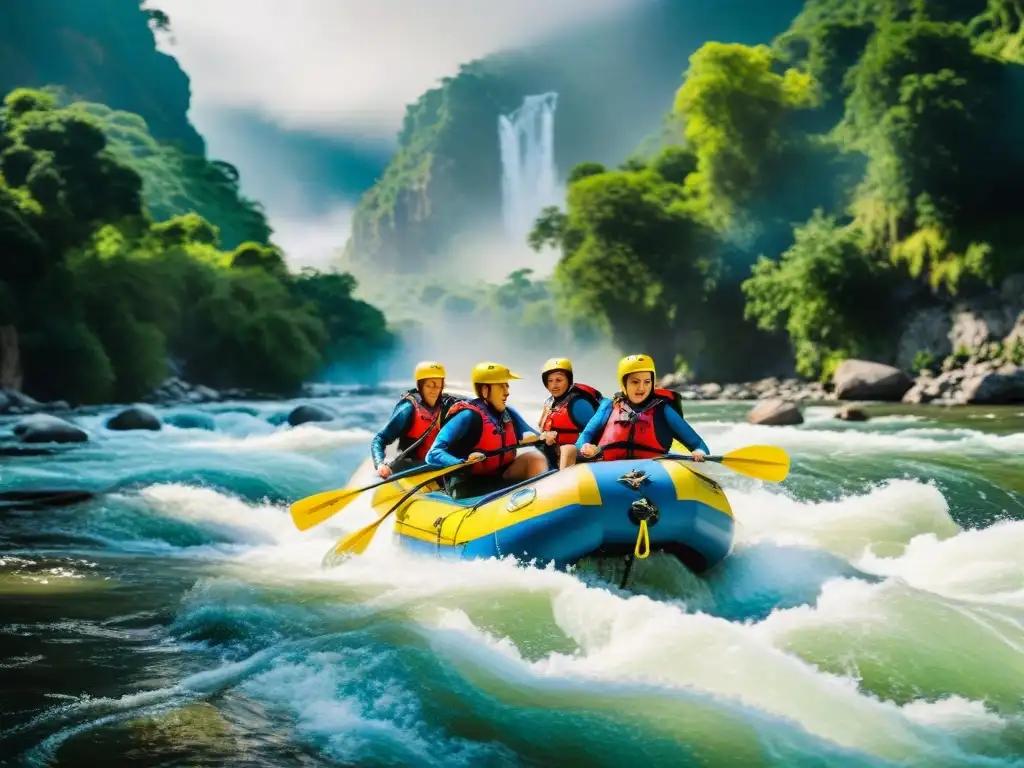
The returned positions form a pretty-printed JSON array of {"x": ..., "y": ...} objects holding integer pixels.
[
  {"x": 429, "y": 369},
  {"x": 636, "y": 364},
  {"x": 556, "y": 364},
  {"x": 492, "y": 373}
]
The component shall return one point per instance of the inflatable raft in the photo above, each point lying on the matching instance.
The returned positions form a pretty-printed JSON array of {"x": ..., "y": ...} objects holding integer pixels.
[{"x": 604, "y": 509}]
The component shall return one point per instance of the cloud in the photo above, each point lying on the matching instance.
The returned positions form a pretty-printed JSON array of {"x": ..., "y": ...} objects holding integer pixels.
[
  {"x": 348, "y": 66},
  {"x": 291, "y": 172},
  {"x": 313, "y": 241}
]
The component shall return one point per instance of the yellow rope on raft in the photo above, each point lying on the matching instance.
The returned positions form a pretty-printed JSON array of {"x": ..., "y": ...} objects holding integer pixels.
[{"x": 644, "y": 539}]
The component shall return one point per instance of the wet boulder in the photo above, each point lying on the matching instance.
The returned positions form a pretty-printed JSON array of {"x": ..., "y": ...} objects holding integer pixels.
[
  {"x": 134, "y": 418},
  {"x": 775, "y": 412},
  {"x": 852, "y": 412},
  {"x": 1003, "y": 386},
  {"x": 865, "y": 380},
  {"x": 307, "y": 413},
  {"x": 44, "y": 428},
  {"x": 13, "y": 401}
]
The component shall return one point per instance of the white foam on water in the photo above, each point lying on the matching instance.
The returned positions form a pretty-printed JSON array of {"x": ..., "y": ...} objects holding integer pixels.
[
  {"x": 933, "y": 576},
  {"x": 892, "y": 512},
  {"x": 983, "y": 565},
  {"x": 319, "y": 689},
  {"x": 724, "y": 436},
  {"x": 302, "y": 439}
]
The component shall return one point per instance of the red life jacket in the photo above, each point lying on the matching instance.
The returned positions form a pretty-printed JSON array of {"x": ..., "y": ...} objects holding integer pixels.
[
  {"x": 425, "y": 421},
  {"x": 626, "y": 425},
  {"x": 558, "y": 416},
  {"x": 492, "y": 437}
]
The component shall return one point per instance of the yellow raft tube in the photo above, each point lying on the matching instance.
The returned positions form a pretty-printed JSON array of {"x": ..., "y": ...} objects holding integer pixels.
[{"x": 602, "y": 509}]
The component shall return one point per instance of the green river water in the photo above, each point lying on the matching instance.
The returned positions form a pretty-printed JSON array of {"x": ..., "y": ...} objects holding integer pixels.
[{"x": 872, "y": 612}]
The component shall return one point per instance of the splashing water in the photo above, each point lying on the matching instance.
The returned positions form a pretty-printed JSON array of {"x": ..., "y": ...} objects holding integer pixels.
[
  {"x": 528, "y": 174},
  {"x": 871, "y": 614}
]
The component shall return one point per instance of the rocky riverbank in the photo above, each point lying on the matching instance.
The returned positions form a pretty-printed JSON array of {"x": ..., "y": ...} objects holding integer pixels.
[
  {"x": 987, "y": 377},
  {"x": 978, "y": 379},
  {"x": 42, "y": 424},
  {"x": 975, "y": 382},
  {"x": 964, "y": 353},
  {"x": 173, "y": 392}
]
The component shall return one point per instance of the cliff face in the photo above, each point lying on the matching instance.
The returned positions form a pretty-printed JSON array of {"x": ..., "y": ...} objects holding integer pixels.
[
  {"x": 614, "y": 80},
  {"x": 102, "y": 51},
  {"x": 444, "y": 179}
]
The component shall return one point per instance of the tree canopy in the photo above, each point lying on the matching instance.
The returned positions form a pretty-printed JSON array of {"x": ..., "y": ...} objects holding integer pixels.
[
  {"x": 105, "y": 277},
  {"x": 821, "y": 188}
]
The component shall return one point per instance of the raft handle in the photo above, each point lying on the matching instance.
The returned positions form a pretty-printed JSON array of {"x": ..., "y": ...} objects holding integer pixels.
[
  {"x": 521, "y": 498},
  {"x": 643, "y": 512}
]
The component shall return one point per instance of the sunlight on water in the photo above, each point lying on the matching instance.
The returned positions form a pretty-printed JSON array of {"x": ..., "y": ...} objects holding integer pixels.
[{"x": 860, "y": 619}]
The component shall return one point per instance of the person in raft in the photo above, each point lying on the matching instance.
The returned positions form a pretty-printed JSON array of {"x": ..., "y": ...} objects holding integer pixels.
[
  {"x": 475, "y": 427},
  {"x": 569, "y": 409},
  {"x": 640, "y": 421},
  {"x": 414, "y": 422}
]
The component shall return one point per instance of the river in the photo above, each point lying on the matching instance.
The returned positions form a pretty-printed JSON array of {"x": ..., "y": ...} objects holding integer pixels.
[{"x": 872, "y": 612}]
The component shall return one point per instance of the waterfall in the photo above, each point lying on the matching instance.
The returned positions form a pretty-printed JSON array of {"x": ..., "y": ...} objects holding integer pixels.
[{"x": 528, "y": 177}]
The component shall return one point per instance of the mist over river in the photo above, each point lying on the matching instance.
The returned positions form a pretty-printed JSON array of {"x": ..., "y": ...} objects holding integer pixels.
[{"x": 872, "y": 612}]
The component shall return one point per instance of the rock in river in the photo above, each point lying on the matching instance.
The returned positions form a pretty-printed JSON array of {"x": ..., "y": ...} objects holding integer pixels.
[
  {"x": 44, "y": 428},
  {"x": 865, "y": 380},
  {"x": 307, "y": 413},
  {"x": 775, "y": 412},
  {"x": 135, "y": 417}
]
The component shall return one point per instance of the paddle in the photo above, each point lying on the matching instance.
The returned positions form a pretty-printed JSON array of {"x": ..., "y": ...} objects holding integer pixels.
[
  {"x": 356, "y": 543},
  {"x": 762, "y": 462},
  {"x": 315, "y": 509}
]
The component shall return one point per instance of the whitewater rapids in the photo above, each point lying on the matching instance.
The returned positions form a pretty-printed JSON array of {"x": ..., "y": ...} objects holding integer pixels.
[{"x": 871, "y": 614}]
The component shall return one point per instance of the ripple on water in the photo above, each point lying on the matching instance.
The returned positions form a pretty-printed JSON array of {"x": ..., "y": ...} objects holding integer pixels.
[{"x": 860, "y": 619}]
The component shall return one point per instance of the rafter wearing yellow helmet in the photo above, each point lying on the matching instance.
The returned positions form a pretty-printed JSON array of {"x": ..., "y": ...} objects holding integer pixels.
[
  {"x": 641, "y": 421},
  {"x": 566, "y": 412},
  {"x": 485, "y": 425},
  {"x": 428, "y": 369},
  {"x": 415, "y": 420},
  {"x": 636, "y": 364}
]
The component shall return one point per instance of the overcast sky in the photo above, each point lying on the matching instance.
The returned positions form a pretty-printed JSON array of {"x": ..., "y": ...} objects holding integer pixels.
[{"x": 348, "y": 66}]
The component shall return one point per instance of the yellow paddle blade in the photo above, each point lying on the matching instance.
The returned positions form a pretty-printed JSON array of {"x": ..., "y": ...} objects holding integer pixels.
[
  {"x": 392, "y": 492},
  {"x": 314, "y": 510},
  {"x": 764, "y": 462},
  {"x": 356, "y": 543}
]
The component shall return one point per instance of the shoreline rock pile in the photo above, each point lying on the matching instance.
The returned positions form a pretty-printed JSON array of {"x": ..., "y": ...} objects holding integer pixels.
[{"x": 974, "y": 381}]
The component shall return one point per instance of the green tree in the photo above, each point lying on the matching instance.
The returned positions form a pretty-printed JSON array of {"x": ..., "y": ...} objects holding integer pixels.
[
  {"x": 826, "y": 293},
  {"x": 735, "y": 109},
  {"x": 635, "y": 259},
  {"x": 59, "y": 158},
  {"x": 582, "y": 170},
  {"x": 926, "y": 110},
  {"x": 256, "y": 256},
  {"x": 177, "y": 183},
  {"x": 98, "y": 296},
  {"x": 246, "y": 331},
  {"x": 355, "y": 330}
]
